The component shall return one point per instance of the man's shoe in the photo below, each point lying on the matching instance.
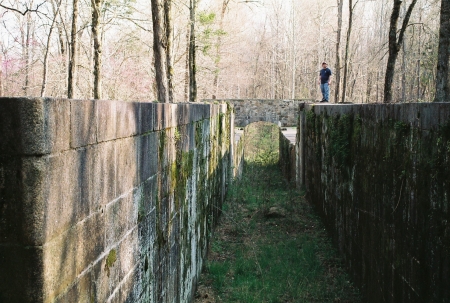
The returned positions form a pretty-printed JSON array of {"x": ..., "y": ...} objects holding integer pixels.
[{"x": 323, "y": 101}]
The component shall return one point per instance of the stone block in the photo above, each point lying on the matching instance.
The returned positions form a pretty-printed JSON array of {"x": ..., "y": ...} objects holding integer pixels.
[
  {"x": 65, "y": 174},
  {"x": 80, "y": 291},
  {"x": 428, "y": 115},
  {"x": 11, "y": 207},
  {"x": 83, "y": 118},
  {"x": 105, "y": 173},
  {"x": 147, "y": 232},
  {"x": 127, "y": 165},
  {"x": 147, "y": 117},
  {"x": 172, "y": 115},
  {"x": 106, "y": 275},
  {"x": 149, "y": 192},
  {"x": 128, "y": 253},
  {"x": 148, "y": 148},
  {"x": 127, "y": 119},
  {"x": 183, "y": 115},
  {"x": 117, "y": 219},
  {"x": 21, "y": 276},
  {"x": 69, "y": 254},
  {"x": 160, "y": 116},
  {"x": 34, "y": 126},
  {"x": 444, "y": 113},
  {"x": 107, "y": 120},
  {"x": 127, "y": 291}
]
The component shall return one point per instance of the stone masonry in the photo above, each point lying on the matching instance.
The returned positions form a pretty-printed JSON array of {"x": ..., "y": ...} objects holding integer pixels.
[
  {"x": 108, "y": 201},
  {"x": 379, "y": 176},
  {"x": 279, "y": 112}
]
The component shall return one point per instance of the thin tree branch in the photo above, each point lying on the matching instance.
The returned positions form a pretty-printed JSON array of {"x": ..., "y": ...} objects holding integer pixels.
[{"x": 27, "y": 10}]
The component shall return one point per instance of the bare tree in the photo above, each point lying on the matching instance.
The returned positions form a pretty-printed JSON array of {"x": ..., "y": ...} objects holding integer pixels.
[
  {"x": 351, "y": 8},
  {"x": 395, "y": 45},
  {"x": 337, "y": 81},
  {"x": 96, "y": 15},
  {"x": 192, "y": 51},
  {"x": 73, "y": 58},
  {"x": 159, "y": 51},
  {"x": 169, "y": 32},
  {"x": 442, "y": 77}
]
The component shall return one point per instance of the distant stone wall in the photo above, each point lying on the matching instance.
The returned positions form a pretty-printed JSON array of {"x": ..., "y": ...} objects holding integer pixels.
[
  {"x": 284, "y": 112},
  {"x": 379, "y": 175},
  {"x": 105, "y": 201},
  {"x": 287, "y": 158}
]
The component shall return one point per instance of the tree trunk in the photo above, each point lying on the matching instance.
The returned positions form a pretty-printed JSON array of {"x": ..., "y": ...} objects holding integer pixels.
[
  {"x": 442, "y": 76},
  {"x": 159, "y": 51},
  {"x": 192, "y": 62},
  {"x": 394, "y": 45},
  {"x": 26, "y": 41},
  {"x": 73, "y": 61},
  {"x": 347, "y": 49},
  {"x": 169, "y": 32},
  {"x": 96, "y": 15},
  {"x": 186, "y": 73},
  {"x": 337, "y": 72}
]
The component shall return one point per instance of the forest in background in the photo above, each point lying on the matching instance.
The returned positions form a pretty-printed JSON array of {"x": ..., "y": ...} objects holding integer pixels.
[{"x": 269, "y": 49}]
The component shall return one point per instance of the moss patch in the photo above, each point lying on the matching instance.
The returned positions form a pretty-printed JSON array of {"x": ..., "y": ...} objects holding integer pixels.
[{"x": 110, "y": 260}]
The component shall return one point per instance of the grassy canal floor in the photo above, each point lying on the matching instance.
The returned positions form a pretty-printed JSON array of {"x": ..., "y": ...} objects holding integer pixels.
[{"x": 269, "y": 246}]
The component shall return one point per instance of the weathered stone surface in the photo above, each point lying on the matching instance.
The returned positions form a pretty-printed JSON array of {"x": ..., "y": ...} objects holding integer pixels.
[
  {"x": 378, "y": 174},
  {"x": 114, "y": 210},
  {"x": 127, "y": 119},
  {"x": 127, "y": 165},
  {"x": 34, "y": 126},
  {"x": 105, "y": 173},
  {"x": 147, "y": 117},
  {"x": 82, "y": 115},
  {"x": 148, "y": 149},
  {"x": 107, "y": 120},
  {"x": 255, "y": 110}
]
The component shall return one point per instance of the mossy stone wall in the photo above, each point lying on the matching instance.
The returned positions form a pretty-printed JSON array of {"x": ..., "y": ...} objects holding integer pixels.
[
  {"x": 379, "y": 176},
  {"x": 108, "y": 201}
]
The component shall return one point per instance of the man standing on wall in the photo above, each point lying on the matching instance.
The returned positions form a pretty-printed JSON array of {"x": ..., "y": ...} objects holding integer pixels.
[{"x": 325, "y": 82}]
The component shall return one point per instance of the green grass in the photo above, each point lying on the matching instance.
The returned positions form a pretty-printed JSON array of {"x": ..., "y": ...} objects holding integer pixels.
[{"x": 258, "y": 259}]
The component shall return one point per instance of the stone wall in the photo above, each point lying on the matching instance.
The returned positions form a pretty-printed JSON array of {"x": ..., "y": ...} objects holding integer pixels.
[
  {"x": 287, "y": 158},
  {"x": 280, "y": 112},
  {"x": 105, "y": 201},
  {"x": 379, "y": 175}
]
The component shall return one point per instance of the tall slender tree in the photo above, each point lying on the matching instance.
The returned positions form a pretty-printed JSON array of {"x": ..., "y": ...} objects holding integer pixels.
[
  {"x": 442, "y": 76},
  {"x": 395, "y": 45},
  {"x": 96, "y": 16},
  {"x": 337, "y": 72},
  {"x": 351, "y": 8},
  {"x": 168, "y": 28},
  {"x": 160, "y": 50},
  {"x": 73, "y": 61},
  {"x": 192, "y": 50}
]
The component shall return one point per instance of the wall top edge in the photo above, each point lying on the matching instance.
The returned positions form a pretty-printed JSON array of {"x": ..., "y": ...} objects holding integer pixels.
[{"x": 48, "y": 99}]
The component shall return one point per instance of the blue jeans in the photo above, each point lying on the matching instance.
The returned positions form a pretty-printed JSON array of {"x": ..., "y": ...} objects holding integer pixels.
[{"x": 325, "y": 88}]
